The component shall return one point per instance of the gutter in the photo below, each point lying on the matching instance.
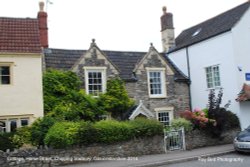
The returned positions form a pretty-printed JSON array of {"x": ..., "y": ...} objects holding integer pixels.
[{"x": 189, "y": 76}]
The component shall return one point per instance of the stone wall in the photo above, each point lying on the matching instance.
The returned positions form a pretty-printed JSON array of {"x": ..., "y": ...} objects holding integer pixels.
[
  {"x": 54, "y": 157},
  {"x": 177, "y": 92},
  {"x": 197, "y": 138}
]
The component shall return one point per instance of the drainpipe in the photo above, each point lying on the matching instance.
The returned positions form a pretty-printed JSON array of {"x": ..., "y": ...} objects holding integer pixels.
[{"x": 189, "y": 76}]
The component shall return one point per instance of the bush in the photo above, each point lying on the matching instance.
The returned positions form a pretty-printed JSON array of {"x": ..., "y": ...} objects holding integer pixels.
[
  {"x": 225, "y": 120},
  {"x": 116, "y": 99},
  {"x": 198, "y": 119},
  {"x": 39, "y": 129},
  {"x": 109, "y": 131},
  {"x": 62, "y": 134},
  {"x": 56, "y": 86},
  {"x": 145, "y": 127},
  {"x": 65, "y": 134},
  {"x": 6, "y": 141},
  {"x": 22, "y": 136},
  {"x": 63, "y": 98},
  {"x": 181, "y": 122},
  {"x": 87, "y": 134}
]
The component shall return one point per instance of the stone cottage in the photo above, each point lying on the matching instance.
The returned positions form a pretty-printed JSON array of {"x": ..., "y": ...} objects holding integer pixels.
[{"x": 158, "y": 87}]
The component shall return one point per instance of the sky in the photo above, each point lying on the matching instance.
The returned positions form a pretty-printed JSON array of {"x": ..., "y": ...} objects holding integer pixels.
[{"x": 120, "y": 25}]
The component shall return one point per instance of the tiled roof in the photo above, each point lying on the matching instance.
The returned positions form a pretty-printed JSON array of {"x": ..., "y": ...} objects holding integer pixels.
[
  {"x": 125, "y": 61},
  {"x": 19, "y": 35},
  {"x": 210, "y": 28},
  {"x": 244, "y": 95}
]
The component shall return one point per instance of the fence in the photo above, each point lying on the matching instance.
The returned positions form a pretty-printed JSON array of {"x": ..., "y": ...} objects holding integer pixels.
[{"x": 174, "y": 140}]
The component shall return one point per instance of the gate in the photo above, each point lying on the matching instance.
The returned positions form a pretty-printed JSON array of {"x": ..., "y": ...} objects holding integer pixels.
[{"x": 174, "y": 140}]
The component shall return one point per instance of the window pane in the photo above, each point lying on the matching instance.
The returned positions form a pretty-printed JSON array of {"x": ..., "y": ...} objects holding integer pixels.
[
  {"x": 155, "y": 83},
  {"x": 95, "y": 83},
  {"x": 5, "y": 80},
  {"x": 163, "y": 117},
  {"x": 2, "y": 125},
  {"x": 13, "y": 125},
  {"x": 213, "y": 76},
  {"x": 24, "y": 122},
  {"x": 4, "y": 75},
  {"x": 5, "y": 70}
]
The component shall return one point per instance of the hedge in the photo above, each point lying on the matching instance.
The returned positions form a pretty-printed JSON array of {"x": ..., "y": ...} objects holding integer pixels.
[
  {"x": 62, "y": 134},
  {"x": 65, "y": 134}
]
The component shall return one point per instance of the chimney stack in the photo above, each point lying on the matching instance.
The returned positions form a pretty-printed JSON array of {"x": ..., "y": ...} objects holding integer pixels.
[
  {"x": 167, "y": 30},
  {"x": 43, "y": 28}
]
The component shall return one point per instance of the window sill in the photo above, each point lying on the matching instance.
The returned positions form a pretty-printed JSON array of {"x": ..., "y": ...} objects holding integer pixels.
[
  {"x": 158, "y": 97},
  {"x": 214, "y": 88}
]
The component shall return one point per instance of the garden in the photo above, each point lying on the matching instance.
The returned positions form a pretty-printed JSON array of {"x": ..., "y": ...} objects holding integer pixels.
[
  {"x": 210, "y": 126},
  {"x": 73, "y": 118}
]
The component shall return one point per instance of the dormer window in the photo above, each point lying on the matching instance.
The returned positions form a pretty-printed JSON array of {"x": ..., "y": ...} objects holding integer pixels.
[
  {"x": 95, "y": 80},
  {"x": 156, "y": 82}
]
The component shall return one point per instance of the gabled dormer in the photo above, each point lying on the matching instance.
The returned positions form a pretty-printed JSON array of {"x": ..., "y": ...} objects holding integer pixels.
[{"x": 94, "y": 68}]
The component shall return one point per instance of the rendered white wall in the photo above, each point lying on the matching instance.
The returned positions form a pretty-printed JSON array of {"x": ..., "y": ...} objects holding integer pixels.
[
  {"x": 180, "y": 60},
  {"x": 241, "y": 42},
  {"x": 24, "y": 96}
]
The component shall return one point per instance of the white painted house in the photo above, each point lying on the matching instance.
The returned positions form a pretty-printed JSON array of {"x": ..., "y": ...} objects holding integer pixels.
[
  {"x": 21, "y": 93},
  {"x": 215, "y": 54}
]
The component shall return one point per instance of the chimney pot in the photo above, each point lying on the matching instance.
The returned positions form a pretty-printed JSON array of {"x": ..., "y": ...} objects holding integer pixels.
[
  {"x": 164, "y": 9},
  {"x": 41, "y": 6},
  {"x": 42, "y": 23}
]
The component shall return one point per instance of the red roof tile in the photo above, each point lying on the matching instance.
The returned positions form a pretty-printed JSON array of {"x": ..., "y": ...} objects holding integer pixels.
[{"x": 19, "y": 35}]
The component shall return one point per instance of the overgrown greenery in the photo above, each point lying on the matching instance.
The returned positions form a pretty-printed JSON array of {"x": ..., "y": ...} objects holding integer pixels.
[
  {"x": 215, "y": 119},
  {"x": 6, "y": 141},
  {"x": 65, "y": 134},
  {"x": 40, "y": 128},
  {"x": 116, "y": 100},
  {"x": 64, "y": 99},
  {"x": 71, "y": 116},
  {"x": 181, "y": 122},
  {"x": 225, "y": 120},
  {"x": 62, "y": 134}
]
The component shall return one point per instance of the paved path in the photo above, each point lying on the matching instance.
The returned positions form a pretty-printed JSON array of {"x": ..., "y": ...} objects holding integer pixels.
[{"x": 162, "y": 159}]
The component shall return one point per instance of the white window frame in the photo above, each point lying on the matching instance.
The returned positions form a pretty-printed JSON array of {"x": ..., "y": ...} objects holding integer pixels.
[
  {"x": 162, "y": 72},
  {"x": 169, "y": 110},
  {"x": 7, "y": 121},
  {"x": 95, "y": 69},
  {"x": 10, "y": 73},
  {"x": 213, "y": 82}
]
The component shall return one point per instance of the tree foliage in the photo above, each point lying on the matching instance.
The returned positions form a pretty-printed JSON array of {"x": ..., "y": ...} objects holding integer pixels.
[
  {"x": 64, "y": 99},
  {"x": 225, "y": 120},
  {"x": 116, "y": 99}
]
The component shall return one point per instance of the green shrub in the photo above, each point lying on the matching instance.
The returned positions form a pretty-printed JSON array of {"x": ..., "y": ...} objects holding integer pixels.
[
  {"x": 145, "y": 127},
  {"x": 62, "y": 134},
  {"x": 39, "y": 129},
  {"x": 86, "y": 133},
  {"x": 181, "y": 122},
  {"x": 116, "y": 99},
  {"x": 65, "y": 134},
  {"x": 6, "y": 141},
  {"x": 22, "y": 136},
  {"x": 109, "y": 131}
]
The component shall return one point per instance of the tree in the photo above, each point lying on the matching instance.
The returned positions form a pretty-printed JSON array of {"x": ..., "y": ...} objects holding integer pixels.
[{"x": 116, "y": 99}]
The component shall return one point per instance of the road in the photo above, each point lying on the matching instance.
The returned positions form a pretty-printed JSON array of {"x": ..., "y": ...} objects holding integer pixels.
[{"x": 229, "y": 160}]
